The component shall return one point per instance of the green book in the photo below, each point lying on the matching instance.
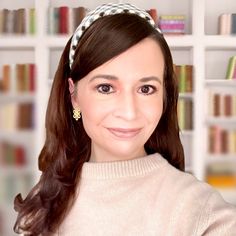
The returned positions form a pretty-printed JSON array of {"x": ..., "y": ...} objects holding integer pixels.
[
  {"x": 230, "y": 68},
  {"x": 182, "y": 79}
]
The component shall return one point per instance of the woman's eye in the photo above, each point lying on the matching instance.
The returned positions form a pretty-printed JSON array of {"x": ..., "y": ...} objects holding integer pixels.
[
  {"x": 147, "y": 89},
  {"x": 105, "y": 88}
]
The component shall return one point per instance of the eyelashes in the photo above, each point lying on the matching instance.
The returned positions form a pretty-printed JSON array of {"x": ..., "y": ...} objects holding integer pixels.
[
  {"x": 147, "y": 89},
  {"x": 108, "y": 89},
  {"x": 105, "y": 88}
]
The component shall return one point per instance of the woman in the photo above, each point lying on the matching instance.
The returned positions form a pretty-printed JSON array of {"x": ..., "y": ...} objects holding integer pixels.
[{"x": 112, "y": 162}]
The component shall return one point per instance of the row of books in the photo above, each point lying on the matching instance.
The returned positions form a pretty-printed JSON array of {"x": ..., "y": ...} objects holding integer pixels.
[
  {"x": 64, "y": 19},
  {"x": 172, "y": 24},
  {"x": 231, "y": 68},
  {"x": 18, "y": 77},
  {"x": 221, "y": 140},
  {"x": 12, "y": 155},
  {"x": 17, "y": 116},
  {"x": 222, "y": 105},
  {"x": 12, "y": 184},
  {"x": 19, "y": 21},
  {"x": 185, "y": 111},
  {"x": 227, "y": 23},
  {"x": 221, "y": 175},
  {"x": 184, "y": 75}
]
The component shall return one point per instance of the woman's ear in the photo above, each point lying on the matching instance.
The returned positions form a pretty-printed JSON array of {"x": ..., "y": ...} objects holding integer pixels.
[
  {"x": 71, "y": 86},
  {"x": 72, "y": 90}
]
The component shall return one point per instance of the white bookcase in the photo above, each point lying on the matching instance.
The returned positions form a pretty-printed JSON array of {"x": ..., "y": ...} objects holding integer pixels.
[{"x": 200, "y": 46}]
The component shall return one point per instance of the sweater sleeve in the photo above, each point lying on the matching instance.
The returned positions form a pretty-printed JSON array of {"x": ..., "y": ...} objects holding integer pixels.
[{"x": 218, "y": 217}]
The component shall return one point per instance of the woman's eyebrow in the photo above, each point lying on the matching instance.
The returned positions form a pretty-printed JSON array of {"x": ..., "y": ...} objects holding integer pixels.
[
  {"x": 103, "y": 76},
  {"x": 113, "y": 77},
  {"x": 151, "y": 78}
]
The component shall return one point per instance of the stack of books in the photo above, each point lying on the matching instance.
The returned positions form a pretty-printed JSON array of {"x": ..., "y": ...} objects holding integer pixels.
[{"x": 172, "y": 24}]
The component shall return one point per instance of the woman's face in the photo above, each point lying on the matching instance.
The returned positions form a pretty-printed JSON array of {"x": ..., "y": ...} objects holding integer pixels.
[{"x": 121, "y": 102}]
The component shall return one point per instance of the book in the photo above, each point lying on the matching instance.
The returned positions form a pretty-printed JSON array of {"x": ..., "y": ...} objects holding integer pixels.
[
  {"x": 180, "y": 112},
  {"x": 63, "y": 20},
  {"x": 6, "y": 78},
  {"x": 216, "y": 104},
  {"x": 189, "y": 79},
  {"x": 228, "y": 105},
  {"x": 182, "y": 78},
  {"x": 172, "y": 24},
  {"x": 231, "y": 67},
  {"x": 20, "y": 77},
  {"x": 233, "y": 23},
  {"x": 188, "y": 119}
]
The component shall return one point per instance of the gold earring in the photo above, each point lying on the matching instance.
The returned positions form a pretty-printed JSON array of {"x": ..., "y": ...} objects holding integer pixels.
[{"x": 76, "y": 114}]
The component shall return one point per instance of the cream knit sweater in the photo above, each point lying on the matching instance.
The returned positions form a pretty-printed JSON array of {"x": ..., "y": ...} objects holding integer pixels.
[{"x": 146, "y": 196}]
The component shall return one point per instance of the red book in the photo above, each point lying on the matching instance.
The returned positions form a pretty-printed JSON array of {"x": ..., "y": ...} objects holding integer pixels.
[
  {"x": 216, "y": 105},
  {"x": 19, "y": 156},
  {"x": 227, "y": 105},
  {"x": 63, "y": 20},
  {"x": 31, "y": 77}
]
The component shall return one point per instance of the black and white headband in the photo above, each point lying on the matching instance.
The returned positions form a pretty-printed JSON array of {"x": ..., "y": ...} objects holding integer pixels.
[{"x": 105, "y": 10}]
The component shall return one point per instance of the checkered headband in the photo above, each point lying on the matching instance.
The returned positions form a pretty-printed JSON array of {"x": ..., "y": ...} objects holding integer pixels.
[{"x": 105, "y": 10}]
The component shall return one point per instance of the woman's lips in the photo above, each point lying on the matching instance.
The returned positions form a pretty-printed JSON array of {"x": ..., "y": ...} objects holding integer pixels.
[{"x": 124, "y": 133}]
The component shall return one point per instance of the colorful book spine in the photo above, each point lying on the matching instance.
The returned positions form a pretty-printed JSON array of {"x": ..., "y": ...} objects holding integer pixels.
[
  {"x": 184, "y": 76},
  {"x": 172, "y": 24},
  {"x": 230, "y": 73},
  {"x": 185, "y": 114}
]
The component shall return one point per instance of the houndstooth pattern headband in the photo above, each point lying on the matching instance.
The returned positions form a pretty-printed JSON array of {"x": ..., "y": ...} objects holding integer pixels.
[{"x": 105, "y": 10}]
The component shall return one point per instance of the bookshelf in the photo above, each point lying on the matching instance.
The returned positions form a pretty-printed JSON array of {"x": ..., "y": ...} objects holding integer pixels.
[{"x": 201, "y": 47}]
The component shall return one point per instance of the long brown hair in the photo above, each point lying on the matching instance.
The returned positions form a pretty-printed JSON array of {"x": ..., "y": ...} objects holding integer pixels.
[{"x": 67, "y": 145}]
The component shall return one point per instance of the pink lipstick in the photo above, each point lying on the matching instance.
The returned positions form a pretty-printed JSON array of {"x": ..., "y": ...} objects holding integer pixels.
[{"x": 124, "y": 133}]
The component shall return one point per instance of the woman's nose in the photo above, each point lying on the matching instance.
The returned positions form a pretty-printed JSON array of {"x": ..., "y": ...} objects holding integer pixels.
[{"x": 127, "y": 106}]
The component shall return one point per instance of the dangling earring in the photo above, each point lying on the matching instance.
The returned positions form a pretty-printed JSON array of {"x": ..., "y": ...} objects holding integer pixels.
[{"x": 76, "y": 114}]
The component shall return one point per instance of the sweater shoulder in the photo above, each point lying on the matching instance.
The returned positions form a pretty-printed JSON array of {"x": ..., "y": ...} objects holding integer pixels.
[{"x": 184, "y": 183}]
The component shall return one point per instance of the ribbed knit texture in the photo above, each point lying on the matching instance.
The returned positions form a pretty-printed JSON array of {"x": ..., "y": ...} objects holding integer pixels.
[
  {"x": 121, "y": 169},
  {"x": 146, "y": 197}
]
